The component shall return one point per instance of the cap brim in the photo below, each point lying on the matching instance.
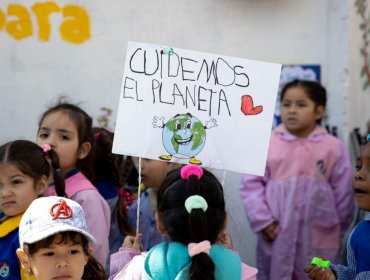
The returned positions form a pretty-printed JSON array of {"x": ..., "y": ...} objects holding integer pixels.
[{"x": 56, "y": 228}]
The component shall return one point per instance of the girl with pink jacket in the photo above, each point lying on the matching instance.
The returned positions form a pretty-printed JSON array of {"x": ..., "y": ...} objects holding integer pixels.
[{"x": 303, "y": 205}]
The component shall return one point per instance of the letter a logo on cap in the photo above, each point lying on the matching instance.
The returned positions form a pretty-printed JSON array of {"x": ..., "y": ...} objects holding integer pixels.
[{"x": 62, "y": 212}]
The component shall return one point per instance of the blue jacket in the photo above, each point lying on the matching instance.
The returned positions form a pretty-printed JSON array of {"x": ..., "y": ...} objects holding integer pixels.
[
  {"x": 9, "y": 243},
  {"x": 358, "y": 248}
]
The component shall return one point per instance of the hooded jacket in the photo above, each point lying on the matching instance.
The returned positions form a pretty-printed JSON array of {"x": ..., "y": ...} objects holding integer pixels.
[
  {"x": 307, "y": 190},
  {"x": 171, "y": 261}
]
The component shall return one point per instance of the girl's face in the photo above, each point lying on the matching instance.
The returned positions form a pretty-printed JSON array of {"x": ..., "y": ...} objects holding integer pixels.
[
  {"x": 18, "y": 190},
  {"x": 299, "y": 113},
  {"x": 65, "y": 260},
  {"x": 60, "y": 132},
  {"x": 361, "y": 180},
  {"x": 153, "y": 172}
]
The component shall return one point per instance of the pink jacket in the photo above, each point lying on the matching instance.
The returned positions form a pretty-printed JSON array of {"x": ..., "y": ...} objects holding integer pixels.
[
  {"x": 97, "y": 211},
  {"x": 307, "y": 190}
]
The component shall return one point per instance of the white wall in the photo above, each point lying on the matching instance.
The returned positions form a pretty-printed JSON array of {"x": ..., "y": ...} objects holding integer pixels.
[
  {"x": 358, "y": 99},
  {"x": 34, "y": 73}
]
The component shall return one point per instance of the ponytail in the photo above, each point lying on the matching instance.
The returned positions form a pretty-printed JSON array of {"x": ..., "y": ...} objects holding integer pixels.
[
  {"x": 58, "y": 176},
  {"x": 202, "y": 267},
  {"x": 193, "y": 195}
]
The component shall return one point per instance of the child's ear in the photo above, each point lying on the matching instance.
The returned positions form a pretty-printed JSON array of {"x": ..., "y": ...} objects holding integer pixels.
[
  {"x": 319, "y": 112},
  {"x": 24, "y": 261},
  {"x": 42, "y": 185},
  {"x": 89, "y": 252},
  {"x": 84, "y": 150},
  {"x": 160, "y": 225}
]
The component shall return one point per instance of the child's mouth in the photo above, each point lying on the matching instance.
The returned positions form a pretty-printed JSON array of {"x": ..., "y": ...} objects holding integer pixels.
[{"x": 360, "y": 191}]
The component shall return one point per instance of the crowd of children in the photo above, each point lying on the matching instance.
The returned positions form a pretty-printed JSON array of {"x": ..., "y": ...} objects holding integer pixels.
[{"x": 67, "y": 214}]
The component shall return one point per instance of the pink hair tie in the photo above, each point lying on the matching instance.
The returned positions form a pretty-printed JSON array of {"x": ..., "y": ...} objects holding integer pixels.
[
  {"x": 197, "y": 248},
  {"x": 46, "y": 148},
  {"x": 97, "y": 135},
  {"x": 191, "y": 169}
]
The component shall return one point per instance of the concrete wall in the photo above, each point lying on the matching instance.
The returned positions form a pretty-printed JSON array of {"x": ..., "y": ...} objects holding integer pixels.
[
  {"x": 35, "y": 72},
  {"x": 357, "y": 98}
]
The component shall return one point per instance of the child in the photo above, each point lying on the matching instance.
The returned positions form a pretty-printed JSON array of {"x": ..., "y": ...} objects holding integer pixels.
[
  {"x": 109, "y": 180},
  {"x": 68, "y": 130},
  {"x": 153, "y": 173},
  {"x": 302, "y": 206},
  {"x": 54, "y": 241},
  {"x": 24, "y": 174},
  {"x": 191, "y": 212},
  {"x": 358, "y": 244}
]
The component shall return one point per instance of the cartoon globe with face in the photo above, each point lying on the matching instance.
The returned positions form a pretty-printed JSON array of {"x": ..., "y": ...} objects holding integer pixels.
[{"x": 183, "y": 136}]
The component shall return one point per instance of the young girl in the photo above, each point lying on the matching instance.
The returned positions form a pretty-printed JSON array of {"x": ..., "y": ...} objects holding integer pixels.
[
  {"x": 191, "y": 212},
  {"x": 153, "y": 173},
  {"x": 68, "y": 130},
  {"x": 302, "y": 206},
  {"x": 358, "y": 245},
  {"x": 54, "y": 241},
  {"x": 24, "y": 174}
]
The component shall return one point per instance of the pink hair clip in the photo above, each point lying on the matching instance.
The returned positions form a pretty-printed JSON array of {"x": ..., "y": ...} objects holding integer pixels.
[
  {"x": 197, "y": 248},
  {"x": 191, "y": 169},
  {"x": 46, "y": 148},
  {"x": 97, "y": 135}
]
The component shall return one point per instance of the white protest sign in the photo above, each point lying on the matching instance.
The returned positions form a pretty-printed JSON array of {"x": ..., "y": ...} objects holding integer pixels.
[{"x": 192, "y": 107}]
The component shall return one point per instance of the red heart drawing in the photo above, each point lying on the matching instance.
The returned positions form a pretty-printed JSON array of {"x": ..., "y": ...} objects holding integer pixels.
[{"x": 247, "y": 106}]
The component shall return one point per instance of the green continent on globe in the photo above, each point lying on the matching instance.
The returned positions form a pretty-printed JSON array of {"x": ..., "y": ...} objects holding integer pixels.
[
  {"x": 198, "y": 133},
  {"x": 171, "y": 127}
]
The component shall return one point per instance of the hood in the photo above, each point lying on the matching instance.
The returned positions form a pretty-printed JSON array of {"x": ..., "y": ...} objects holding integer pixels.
[{"x": 170, "y": 260}]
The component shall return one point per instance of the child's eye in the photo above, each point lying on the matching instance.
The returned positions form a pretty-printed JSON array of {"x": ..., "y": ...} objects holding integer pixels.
[
  {"x": 43, "y": 135},
  {"x": 302, "y": 105},
  {"x": 64, "y": 137},
  {"x": 48, "y": 254},
  {"x": 358, "y": 166},
  {"x": 73, "y": 252},
  {"x": 17, "y": 182}
]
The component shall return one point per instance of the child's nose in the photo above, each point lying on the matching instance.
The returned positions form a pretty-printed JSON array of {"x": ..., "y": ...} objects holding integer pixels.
[
  {"x": 6, "y": 192},
  {"x": 292, "y": 108},
  {"x": 51, "y": 141},
  {"x": 359, "y": 175},
  {"x": 61, "y": 262}
]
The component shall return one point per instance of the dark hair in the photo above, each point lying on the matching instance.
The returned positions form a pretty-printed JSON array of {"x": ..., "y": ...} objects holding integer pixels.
[
  {"x": 113, "y": 167},
  {"x": 198, "y": 225},
  {"x": 93, "y": 269},
  {"x": 314, "y": 90},
  {"x": 83, "y": 123},
  {"x": 32, "y": 160}
]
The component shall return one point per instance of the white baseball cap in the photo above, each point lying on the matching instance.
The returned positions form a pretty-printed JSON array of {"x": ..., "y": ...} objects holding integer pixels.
[{"x": 47, "y": 216}]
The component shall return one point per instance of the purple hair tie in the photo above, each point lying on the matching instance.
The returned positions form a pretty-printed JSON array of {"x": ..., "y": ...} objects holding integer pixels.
[{"x": 191, "y": 169}]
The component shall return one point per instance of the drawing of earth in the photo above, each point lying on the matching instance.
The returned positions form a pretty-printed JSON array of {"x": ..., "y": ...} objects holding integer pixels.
[{"x": 184, "y": 136}]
